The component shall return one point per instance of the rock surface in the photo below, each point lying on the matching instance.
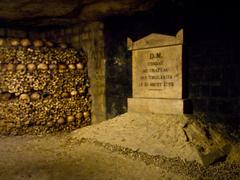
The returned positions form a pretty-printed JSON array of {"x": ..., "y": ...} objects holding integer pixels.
[
  {"x": 50, "y": 12},
  {"x": 167, "y": 135}
]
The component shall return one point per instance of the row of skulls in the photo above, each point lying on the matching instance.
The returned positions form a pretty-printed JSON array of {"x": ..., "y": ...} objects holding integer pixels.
[
  {"x": 15, "y": 42},
  {"x": 31, "y": 67}
]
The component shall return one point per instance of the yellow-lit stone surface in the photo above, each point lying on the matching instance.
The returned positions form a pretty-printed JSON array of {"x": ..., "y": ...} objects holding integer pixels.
[
  {"x": 156, "y": 40},
  {"x": 157, "y": 74},
  {"x": 160, "y": 106}
]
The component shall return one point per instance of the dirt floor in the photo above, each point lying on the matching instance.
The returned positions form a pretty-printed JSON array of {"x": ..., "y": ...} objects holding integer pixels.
[
  {"x": 59, "y": 157},
  {"x": 56, "y": 157},
  {"x": 83, "y": 155}
]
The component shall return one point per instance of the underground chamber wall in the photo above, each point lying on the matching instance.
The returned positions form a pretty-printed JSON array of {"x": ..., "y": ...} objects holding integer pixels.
[{"x": 211, "y": 59}]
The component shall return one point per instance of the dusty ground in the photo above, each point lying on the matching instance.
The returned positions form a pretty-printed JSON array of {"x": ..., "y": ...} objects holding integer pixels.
[
  {"x": 56, "y": 157},
  {"x": 186, "y": 137},
  {"x": 84, "y": 154}
]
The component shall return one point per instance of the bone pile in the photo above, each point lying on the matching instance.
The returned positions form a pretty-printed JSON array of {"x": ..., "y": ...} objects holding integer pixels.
[{"x": 43, "y": 87}]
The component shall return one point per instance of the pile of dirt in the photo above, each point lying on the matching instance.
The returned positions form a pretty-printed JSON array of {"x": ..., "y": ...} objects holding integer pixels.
[{"x": 172, "y": 136}]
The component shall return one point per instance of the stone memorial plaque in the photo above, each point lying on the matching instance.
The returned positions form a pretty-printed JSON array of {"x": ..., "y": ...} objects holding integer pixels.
[{"x": 157, "y": 72}]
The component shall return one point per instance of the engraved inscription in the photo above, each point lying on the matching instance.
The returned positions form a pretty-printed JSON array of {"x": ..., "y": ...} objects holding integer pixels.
[{"x": 157, "y": 72}]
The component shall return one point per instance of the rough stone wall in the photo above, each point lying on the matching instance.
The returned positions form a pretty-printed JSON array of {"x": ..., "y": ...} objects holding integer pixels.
[
  {"x": 211, "y": 58},
  {"x": 118, "y": 71},
  {"x": 92, "y": 41}
]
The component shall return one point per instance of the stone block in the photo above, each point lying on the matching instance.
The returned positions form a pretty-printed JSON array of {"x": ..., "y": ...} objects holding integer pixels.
[
  {"x": 157, "y": 75},
  {"x": 157, "y": 72},
  {"x": 159, "y": 106},
  {"x": 156, "y": 40}
]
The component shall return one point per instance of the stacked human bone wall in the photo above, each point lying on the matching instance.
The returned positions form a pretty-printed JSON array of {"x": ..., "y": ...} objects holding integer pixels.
[{"x": 43, "y": 87}]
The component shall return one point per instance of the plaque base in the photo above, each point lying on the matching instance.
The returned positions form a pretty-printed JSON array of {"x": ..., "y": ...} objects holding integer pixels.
[{"x": 159, "y": 106}]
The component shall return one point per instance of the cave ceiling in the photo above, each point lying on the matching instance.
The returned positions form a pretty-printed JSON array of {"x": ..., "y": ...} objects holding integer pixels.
[{"x": 41, "y": 13}]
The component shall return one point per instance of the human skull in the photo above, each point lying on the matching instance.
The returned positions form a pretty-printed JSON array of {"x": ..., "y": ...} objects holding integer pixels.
[
  {"x": 73, "y": 93},
  {"x": 10, "y": 67},
  {"x": 31, "y": 67},
  {"x": 63, "y": 45},
  {"x": 37, "y": 43},
  {"x": 42, "y": 66},
  {"x": 21, "y": 68},
  {"x": 71, "y": 66},
  {"x": 79, "y": 66},
  {"x": 49, "y": 44},
  {"x": 79, "y": 115},
  {"x": 62, "y": 67},
  {"x": 14, "y": 42},
  {"x": 2, "y": 41},
  {"x": 86, "y": 114},
  {"x": 61, "y": 120},
  {"x": 52, "y": 66},
  {"x": 35, "y": 96},
  {"x": 24, "y": 98},
  {"x": 25, "y": 42},
  {"x": 70, "y": 118}
]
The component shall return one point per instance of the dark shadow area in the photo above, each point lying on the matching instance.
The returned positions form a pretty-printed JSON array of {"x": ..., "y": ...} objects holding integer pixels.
[
  {"x": 119, "y": 66},
  {"x": 212, "y": 44},
  {"x": 211, "y": 55}
]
